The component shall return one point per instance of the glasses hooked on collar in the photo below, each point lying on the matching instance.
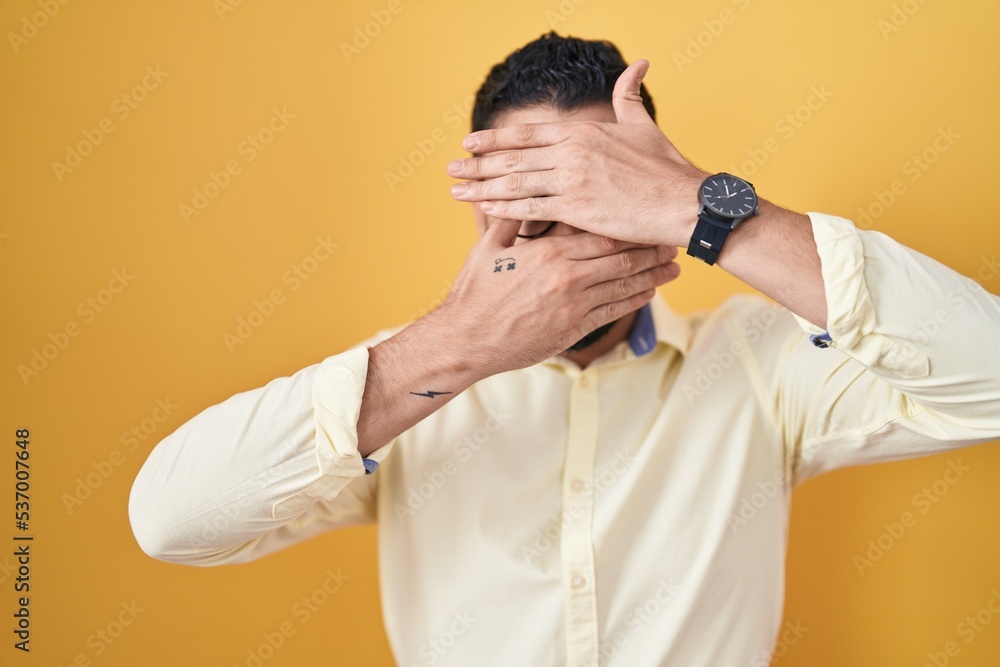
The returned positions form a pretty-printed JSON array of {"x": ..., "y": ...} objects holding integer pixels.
[{"x": 532, "y": 229}]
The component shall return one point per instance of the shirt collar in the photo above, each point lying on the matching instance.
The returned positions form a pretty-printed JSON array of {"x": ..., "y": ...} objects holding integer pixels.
[{"x": 669, "y": 327}]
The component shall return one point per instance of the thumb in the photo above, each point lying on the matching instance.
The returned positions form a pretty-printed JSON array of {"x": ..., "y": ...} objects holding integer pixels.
[{"x": 626, "y": 97}]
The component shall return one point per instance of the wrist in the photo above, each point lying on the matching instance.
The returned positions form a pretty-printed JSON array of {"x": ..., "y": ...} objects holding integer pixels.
[
  {"x": 684, "y": 206},
  {"x": 456, "y": 348}
]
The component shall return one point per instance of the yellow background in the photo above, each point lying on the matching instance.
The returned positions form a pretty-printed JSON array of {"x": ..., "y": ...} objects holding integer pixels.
[{"x": 161, "y": 337}]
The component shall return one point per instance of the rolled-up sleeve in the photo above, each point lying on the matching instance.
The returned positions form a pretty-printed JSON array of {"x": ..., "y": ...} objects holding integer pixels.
[
  {"x": 260, "y": 471},
  {"x": 910, "y": 368}
]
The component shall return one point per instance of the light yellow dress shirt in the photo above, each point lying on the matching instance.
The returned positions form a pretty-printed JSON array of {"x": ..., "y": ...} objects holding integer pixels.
[{"x": 634, "y": 513}]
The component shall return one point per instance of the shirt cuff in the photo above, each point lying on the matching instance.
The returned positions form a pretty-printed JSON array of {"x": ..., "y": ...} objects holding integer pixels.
[
  {"x": 852, "y": 318},
  {"x": 336, "y": 395}
]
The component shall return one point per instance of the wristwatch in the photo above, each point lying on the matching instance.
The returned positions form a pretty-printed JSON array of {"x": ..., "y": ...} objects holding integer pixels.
[{"x": 726, "y": 201}]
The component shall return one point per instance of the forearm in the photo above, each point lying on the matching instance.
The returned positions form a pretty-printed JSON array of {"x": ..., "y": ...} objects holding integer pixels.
[
  {"x": 410, "y": 376},
  {"x": 775, "y": 253}
]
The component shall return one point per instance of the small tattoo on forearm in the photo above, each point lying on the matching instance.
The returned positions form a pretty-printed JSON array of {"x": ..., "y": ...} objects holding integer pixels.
[
  {"x": 500, "y": 262},
  {"x": 430, "y": 394}
]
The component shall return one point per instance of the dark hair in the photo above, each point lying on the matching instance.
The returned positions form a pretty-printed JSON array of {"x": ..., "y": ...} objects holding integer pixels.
[{"x": 565, "y": 73}]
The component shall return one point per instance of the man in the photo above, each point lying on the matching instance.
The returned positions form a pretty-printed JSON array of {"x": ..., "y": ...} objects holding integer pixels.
[{"x": 556, "y": 461}]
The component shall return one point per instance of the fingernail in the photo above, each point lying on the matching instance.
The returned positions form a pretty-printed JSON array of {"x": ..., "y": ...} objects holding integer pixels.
[
  {"x": 470, "y": 143},
  {"x": 486, "y": 206},
  {"x": 459, "y": 189},
  {"x": 455, "y": 167}
]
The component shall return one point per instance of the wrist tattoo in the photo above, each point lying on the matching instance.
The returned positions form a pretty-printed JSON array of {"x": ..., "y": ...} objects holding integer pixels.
[
  {"x": 500, "y": 262},
  {"x": 430, "y": 394}
]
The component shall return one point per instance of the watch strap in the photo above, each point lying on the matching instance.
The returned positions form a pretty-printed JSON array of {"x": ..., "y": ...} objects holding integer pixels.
[{"x": 708, "y": 238}]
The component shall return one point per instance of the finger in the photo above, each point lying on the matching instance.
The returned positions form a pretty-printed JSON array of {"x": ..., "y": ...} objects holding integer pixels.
[
  {"x": 530, "y": 135},
  {"x": 586, "y": 246},
  {"x": 501, "y": 164},
  {"x": 627, "y": 98},
  {"x": 622, "y": 288},
  {"x": 501, "y": 233},
  {"x": 512, "y": 186},
  {"x": 625, "y": 263},
  {"x": 609, "y": 312},
  {"x": 531, "y": 208}
]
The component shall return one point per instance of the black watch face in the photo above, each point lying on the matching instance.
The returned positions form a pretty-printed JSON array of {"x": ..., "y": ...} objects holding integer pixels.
[{"x": 728, "y": 196}]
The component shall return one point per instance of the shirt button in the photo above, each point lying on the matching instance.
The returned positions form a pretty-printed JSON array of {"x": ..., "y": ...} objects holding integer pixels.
[
  {"x": 584, "y": 381},
  {"x": 578, "y": 581},
  {"x": 577, "y": 485}
]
